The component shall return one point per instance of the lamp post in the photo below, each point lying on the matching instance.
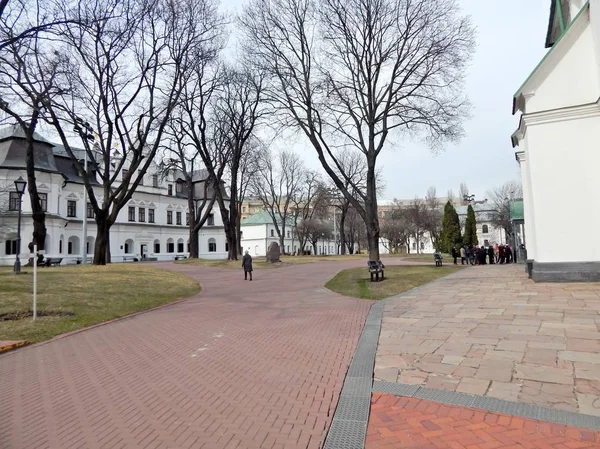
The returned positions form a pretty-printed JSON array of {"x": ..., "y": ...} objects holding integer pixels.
[
  {"x": 20, "y": 185},
  {"x": 86, "y": 132}
]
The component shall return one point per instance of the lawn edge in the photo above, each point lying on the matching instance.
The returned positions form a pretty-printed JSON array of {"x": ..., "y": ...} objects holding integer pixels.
[
  {"x": 104, "y": 323},
  {"x": 18, "y": 344}
]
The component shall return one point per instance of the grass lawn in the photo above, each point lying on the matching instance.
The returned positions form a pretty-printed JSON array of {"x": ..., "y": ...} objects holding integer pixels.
[
  {"x": 79, "y": 296},
  {"x": 259, "y": 262},
  {"x": 355, "y": 282},
  {"x": 423, "y": 257}
]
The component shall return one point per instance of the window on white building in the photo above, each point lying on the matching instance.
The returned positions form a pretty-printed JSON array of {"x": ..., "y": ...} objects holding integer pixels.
[
  {"x": 212, "y": 246},
  {"x": 90, "y": 210},
  {"x": 210, "y": 220},
  {"x": 179, "y": 187},
  {"x": 154, "y": 180},
  {"x": 150, "y": 215},
  {"x": 414, "y": 246},
  {"x": 10, "y": 247},
  {"x": 131, "y": 213},
  {"x": 71, "y": 208},
  {"x": 13, "y": 201},
  {"x": 156, "y": 246},
  {"x": 178, "y": 218},
  {"x": 422, "y": 246},
  {"x": 187, "y": 219},
  {"x": 485, "y": 229},
  {"x": 170, "y": 246},
  {"x": 170, "y": 189},
  {"x": 180, "y": 246},
  {"x": 169, "y": 217},
  {"x": 44, "y": 201},
  {"x": 142, "y": 215},
  {"x": 272, "y": 232}
]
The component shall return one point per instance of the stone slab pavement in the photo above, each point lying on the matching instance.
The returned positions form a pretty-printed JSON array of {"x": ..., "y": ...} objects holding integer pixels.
[
  {"x": 490, "y": 331},
  {"x": 242, "y": 365},
  {"x": 401, "y": 422}
]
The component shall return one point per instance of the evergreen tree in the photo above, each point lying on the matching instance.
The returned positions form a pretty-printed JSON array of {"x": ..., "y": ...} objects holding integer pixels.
[
  {"x": 450, "y": 228},
  {"x": 470, "y": 235}
]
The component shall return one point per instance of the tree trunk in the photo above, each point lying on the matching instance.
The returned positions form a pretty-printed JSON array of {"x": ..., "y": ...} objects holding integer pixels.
[
  {"x": 228, "y": 228},
  {"x": 282, "y": 239},
  {"x": 38, "y": 215},
  {"x": 102, "y": 245},
  {"x": 343, "y": 231},
  {"x": 372, "y": 220},
  {"x": 194, "y": 249}
]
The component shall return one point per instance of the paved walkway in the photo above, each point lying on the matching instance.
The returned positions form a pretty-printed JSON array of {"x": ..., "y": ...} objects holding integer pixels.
[
  {"x": 490, "y": 331},
  {"x": 399, "y": 422},
  {"x": 245, "y": 364}
]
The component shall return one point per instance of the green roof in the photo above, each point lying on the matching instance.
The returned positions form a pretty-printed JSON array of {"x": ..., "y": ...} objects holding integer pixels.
[
  {"x": 262, "y": 218},
  {"x": 516, "y": 210}
]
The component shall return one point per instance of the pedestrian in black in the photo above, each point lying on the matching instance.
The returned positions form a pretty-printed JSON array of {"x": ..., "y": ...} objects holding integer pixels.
[
  {"x": 490, "y": 251},
  {"x": 502, "y": 254},
  {"x": 454, "y": 253},
  {"x": 247, "y": 265}
]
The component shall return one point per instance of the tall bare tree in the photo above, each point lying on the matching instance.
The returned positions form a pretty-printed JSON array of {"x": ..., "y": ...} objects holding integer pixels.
[
  {"x": 463, "y": 192},
  {"x": 395, "y": 229},
  {"x": 127, "y": 74},
  {"x": 416, "y": 215},
  {"x": 347, "y": 73},
  {"x": 308, "y": 203},
  {"x": 434, "y": 216},
  {"x": 29, "y": 77},
  {"x": 278, "y": 181},
  {"x": 181, "y": 157},
  {"x": 238, "y": 110},
  {"x": 500, "y": 199}
]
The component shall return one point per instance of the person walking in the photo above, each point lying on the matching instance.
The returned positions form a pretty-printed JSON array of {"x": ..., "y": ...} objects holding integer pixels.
[
  {"x": 247, "y": 265},
  {"x": 454, "y": 253},
  {"x": 490, "y": 252}
]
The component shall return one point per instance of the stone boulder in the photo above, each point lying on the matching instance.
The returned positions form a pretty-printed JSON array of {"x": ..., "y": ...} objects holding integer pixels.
[{"x": 273, "y": 253}]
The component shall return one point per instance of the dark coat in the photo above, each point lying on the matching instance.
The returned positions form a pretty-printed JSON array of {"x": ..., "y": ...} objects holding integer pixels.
[{"x": 247, "y": 263}]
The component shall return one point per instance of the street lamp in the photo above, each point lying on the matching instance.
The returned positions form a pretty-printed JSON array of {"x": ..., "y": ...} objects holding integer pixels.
[{"x": 20, "y": 185}]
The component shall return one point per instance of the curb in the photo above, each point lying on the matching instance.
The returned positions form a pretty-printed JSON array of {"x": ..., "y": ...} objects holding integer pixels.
[{"x": 14, "y": 345}]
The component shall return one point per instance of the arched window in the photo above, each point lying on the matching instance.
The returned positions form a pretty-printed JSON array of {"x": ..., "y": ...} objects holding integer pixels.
[
  {"x": 156, "y": 246},
  {"x": 180, "y": 247},
  {"x": 128, "y": 246},
  {"x": 485, "y": 229},
  {"x": 73, "y": 245},
  {"x": 61, "y": 244},
  {"x": 170, "y": 246},
  {"x": 212, "y": 246},
  {"x": 272, "y": 232},
  {"x": 91, "y": 241}
]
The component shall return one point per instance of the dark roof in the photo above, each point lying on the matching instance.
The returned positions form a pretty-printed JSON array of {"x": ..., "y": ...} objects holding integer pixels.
[
  {"x": 12, "y": 150},
  {"x": 67, "y": 168}
]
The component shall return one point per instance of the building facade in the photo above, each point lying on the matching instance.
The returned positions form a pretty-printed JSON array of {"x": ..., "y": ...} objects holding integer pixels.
[
  {"x": 151, "y": 226},
  {"x": 557, "y": 142}
]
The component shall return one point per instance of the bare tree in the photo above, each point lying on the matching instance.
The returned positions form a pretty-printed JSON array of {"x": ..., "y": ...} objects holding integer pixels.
[
  {"x": 310, "y": 202},
  {"x": 278, "y": 181},
  {"x": 434, "y": 216},
  {"x": 181, "y": 157},
  {"x": 500, "y": 199},
  {"x": 347, "y": 73},
  {"x": 355, "y": 231},
  {"x": 127, "y": 74},
  {"x": 416, "y": 215},
  {"x": 238, "y": 110},
  {"x": 29, "y": 78},
  {"x": 463, "y": 192},
  {"x": 315, "y": 230},
  {"x": 396, "y": 230}
]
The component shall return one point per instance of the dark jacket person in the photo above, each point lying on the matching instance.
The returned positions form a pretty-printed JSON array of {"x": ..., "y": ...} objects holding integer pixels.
[{"x": 247, "y": 265}]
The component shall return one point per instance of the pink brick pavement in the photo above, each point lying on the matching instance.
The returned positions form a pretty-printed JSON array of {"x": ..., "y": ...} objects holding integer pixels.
[{"x": 243, "y": 365}]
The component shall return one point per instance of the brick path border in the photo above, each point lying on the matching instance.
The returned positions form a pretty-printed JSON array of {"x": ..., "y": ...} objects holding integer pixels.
[{"x": 529, "y": 411}]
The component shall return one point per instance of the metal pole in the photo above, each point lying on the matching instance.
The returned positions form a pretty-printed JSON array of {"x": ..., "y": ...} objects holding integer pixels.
[
  {"x": 84, "y": 248},
  {"x": 17, "y": 267},
  {"x": 35, "y": 281}
]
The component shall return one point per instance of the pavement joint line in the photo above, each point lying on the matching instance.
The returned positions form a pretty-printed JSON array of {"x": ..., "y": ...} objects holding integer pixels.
[{"x": 530, "y": 411}]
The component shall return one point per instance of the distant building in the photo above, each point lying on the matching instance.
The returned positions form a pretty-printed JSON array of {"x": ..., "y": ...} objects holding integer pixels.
[
  {"x": 558, "y": 139},
  {"x": 151, "y": 226}
]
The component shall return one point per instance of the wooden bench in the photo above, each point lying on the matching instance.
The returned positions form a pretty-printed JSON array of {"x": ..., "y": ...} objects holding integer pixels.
[
  {"x": 52, "y": 261},
  {"x": 376, "y": 267}
]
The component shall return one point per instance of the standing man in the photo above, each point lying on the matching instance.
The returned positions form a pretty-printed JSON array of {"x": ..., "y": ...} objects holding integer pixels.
[
  {"x": 454, "y": 253},
  {"x": 463, "y": 255},
  {"x": 247, "y": 265}
]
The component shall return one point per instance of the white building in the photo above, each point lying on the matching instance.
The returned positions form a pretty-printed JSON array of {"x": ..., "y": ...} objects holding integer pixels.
[
  {"x": 558, "y": 139},
  {"x": 487, "y": 233},
  {"x": 258, "y": 232},
  {"x": 151, "y": 226}
]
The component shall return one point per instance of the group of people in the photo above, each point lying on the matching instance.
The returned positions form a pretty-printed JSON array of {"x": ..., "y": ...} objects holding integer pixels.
[{"x": 482, "y": 255}]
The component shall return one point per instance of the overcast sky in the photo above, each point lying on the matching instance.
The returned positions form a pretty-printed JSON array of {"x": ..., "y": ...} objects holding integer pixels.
[{"x": 510, "y": 43}]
